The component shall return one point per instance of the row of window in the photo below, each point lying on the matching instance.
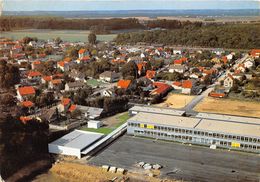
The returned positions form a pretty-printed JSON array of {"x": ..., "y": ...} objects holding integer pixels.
[
  {"x": 191, "y": 132},
  {"x": 195, "y": 139}
]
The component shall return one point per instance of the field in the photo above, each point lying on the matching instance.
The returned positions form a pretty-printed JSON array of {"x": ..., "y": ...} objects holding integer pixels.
[
  {"x": 94, "y": 83},
  {"x": 176, "y": 101},
  {"x": 228, "y": 106},
  {"x": 66, "y": 35}
]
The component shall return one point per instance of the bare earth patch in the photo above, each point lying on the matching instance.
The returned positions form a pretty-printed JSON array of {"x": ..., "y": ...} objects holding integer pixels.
[
  {"x": 228, "y": 106},
  {"x": 81, "y": 172},
  {"x": 176, "y": 101}
]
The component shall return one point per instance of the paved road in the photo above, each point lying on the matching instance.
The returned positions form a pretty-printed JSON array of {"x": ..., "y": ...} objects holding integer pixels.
[
  {"x": 189, "y": 107},
  {"x": 192, "y": 163}
]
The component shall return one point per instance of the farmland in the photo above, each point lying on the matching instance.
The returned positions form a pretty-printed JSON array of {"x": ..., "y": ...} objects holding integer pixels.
[{"x": 65, "y": 35}]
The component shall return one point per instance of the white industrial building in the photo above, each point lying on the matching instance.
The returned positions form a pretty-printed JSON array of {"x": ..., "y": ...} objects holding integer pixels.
[{"x": 74, "y": 143}]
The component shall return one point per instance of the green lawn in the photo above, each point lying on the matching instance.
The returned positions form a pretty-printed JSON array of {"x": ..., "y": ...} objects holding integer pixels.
[
  {"x": 105, "y": 131},
  {"x": 122, "y": 118},
  {"x": 94, "y": 83}
]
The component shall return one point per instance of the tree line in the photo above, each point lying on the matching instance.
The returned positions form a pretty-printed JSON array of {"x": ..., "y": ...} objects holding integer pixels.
[
  {"x": 10, "y": 23},
  {"x": 244, "y": 36}
]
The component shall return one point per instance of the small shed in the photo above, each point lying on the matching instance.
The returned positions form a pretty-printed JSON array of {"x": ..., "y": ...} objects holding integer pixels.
[{"x": 94, "y": 124}]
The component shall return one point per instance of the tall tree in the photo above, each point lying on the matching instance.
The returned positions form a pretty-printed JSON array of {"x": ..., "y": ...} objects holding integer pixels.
[{"x": 92, "y": 38}]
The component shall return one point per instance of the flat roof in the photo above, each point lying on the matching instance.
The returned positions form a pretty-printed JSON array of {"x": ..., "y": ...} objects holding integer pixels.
[
  {"x": 152, "y": 109},
  {"x": 230, "y": 118},
  {"x": 171, "y": 120},
  {"x": 243, "y": 129},
  {"x": 77, "y": 139}
]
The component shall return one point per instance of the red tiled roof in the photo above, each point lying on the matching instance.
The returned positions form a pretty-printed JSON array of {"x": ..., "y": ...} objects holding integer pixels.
[
  {"x": 27, "y": 104},
  {"x": 177, "y": 83},
  {"x": 28, "y": 90},
  {"x": 37, "y": 62},
  {"x": 219, "y": 95},
  {"x": 187, "y": 84},
  {"x": 255, "y": 52},
  {"x": 65, "y": 101},
  {"x": 72, "y": 107},
  {"x": 67, "y": 59},
  {"x": 61, "y": 63},
  {"x": 161, "y": 88},
  {"x": 34, "y": 74},
  {"x": 124, "y": 83},
  {"x": 56, "y": 82},
  {"x": 150, "y": 74},
  {"x": 25, "y": 119},
  {"x": 47, "y": 78},
  {"x": 81, "y": 51}
]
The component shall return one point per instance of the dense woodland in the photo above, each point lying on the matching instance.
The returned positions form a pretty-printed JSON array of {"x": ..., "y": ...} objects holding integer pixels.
[
  {"x": 103, "y": 25},
  {"x": 242, "y": 36}
]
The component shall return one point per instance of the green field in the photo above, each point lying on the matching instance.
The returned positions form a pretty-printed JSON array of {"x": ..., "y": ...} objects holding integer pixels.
[
  {"x": 66, "y": 35},
  {"x": 105, "y": 131}
]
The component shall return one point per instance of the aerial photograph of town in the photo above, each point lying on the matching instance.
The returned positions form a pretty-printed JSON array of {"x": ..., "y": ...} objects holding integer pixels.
[{"x": 130, "y": 90}]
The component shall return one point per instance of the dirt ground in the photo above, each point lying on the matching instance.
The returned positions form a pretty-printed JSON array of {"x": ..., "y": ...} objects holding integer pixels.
[
  {"x": 228, "y": 106},
  {"x": 176, "y": 101},
  {"x": 113, "y": 120},
  {"x": 68, "y": 171}
]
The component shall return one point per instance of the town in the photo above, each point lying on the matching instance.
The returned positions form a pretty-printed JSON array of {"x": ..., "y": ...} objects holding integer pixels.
[{"x": 96, "y": 92}]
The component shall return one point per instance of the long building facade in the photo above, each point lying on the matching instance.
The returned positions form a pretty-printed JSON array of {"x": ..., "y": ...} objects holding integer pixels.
[{"x": 243, "y": 136}]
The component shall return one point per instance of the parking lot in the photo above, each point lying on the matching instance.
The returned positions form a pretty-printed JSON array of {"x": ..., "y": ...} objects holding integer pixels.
[{"x": 179, "y": 161}]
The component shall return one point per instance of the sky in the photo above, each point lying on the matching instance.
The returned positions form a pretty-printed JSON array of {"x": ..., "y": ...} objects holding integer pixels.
[{"x": 91, "y": 5}]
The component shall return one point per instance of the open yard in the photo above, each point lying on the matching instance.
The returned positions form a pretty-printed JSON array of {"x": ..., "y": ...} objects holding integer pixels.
[
  {"x": 95, "y": 83},
  {"x": 228, "y": 106},
  {"x": 110, "y": 123},
  {"x": 66, "y": 35},
  {"x": 67, "y": 171},
  {"x": 176, "y": 101}
]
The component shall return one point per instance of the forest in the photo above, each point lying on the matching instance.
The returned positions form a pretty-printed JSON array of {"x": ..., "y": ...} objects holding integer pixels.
[
  {"x": 8, "y": 23},
  {"x": 239, "y": 36}
]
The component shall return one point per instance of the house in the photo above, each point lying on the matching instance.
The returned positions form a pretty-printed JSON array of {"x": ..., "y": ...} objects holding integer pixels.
[
  {"x": 64, "y": 66},
  {"x": 177, "y": 68},
  {"x": 72, "y": 86},
  {"x": 46, "y": 79},
  {"x": 150, "y": 74},
  {"x": 49, "y": 115},
  {"x": 180, "y": 61},
  {"x": 83, "y": 60},
  {"x": 27, "y": 104},
  {"x": 188, "y": 87},
  {"x": 141, "y": 67},
  {"x": 241, "y": 68},
  {"x": 109, "y": 76},
  {"x": 229, "y": 81},
  {"x": 54, "y": 84},
  {"x": 255, "y": 53},
  {"x": 177, "y": 51},
  {"x": 34, "y": 75},
  {"x": 78, "y": 76},
  {"x": 24, "y": 93},
  {"x": 64, "y": 105},
  {"x": 161, "y": 89},
  {"x": 177, "y": 85},
  {"x": 36, "y": 64},
  {"x": 124, "y": 84},
  {"x": 91, "y": 112},
  {"x": 249, "y": 63},
  {"x": 108, "y": 93},
  {"x": 218, "y": 51},
  {"x": 82, "y": 53}
]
